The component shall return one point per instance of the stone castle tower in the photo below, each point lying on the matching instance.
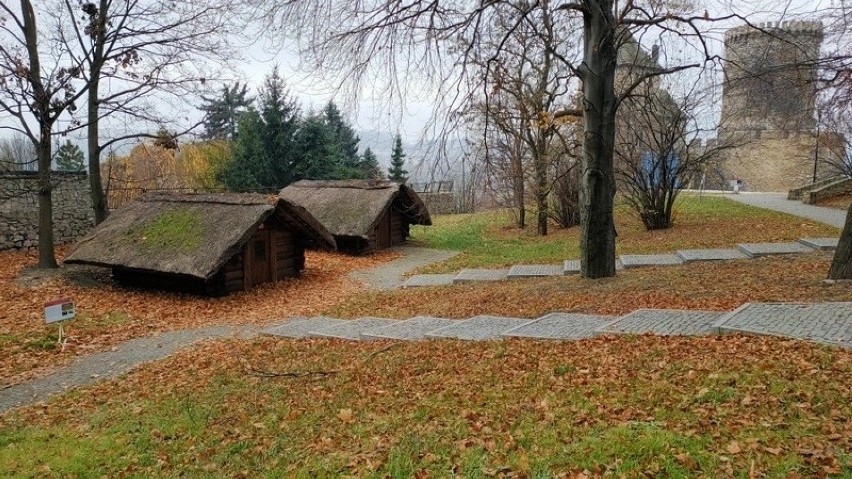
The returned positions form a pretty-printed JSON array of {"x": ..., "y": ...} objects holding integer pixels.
[
  {"x": 770, "y": 78},
  {"x": 768, "y": 105}
]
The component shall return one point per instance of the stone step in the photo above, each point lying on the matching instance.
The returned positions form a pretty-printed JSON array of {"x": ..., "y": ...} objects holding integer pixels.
[
  {"x": 758, "y": 250},
  {"x": 412, "y": 329},
  {"x": 534, "y": 271},
  {"x": 572, "y": 266},
  {"x": 713, "y": 254},
  {"x": 829, "y": 323},
  {"x": 478, "y": 328},
  {"x": 425, "y": 280},
  {"x": 472, "y": 275},
  {"x": 300, "y": 327},
  {"x": 640, "y": 260},
  {"x": 821, "y": 244},
  {"x": 560, "y": 326},
  {"x": 664, "y": 322},
  {"x": 353, "y": 329}
]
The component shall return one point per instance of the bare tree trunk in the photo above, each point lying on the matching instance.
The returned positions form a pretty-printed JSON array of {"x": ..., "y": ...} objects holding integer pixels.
[
  {"x": 99, "y": 203},
  {"x": 597, "y": 236},
  {"x": 542, "y": 191},
  {"x": 46, "y": 255},
  {"x": 841, "y": 265},
  {"x": 518, "y": 189}
]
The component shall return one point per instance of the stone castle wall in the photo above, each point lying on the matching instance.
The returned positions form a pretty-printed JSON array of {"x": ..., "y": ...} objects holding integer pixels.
[{"x": 72, "y": 209}]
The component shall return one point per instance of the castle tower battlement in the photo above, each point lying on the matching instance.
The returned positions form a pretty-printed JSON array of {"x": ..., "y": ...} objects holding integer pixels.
[{"x": 770, "y": 78}]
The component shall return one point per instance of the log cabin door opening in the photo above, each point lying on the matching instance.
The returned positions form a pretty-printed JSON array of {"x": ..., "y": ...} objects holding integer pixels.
[
  {"x": 383, "y": 230},
  {"x": 258, "y": 259}
]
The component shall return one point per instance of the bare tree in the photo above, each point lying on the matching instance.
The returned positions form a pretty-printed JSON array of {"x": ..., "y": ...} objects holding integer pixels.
[
  {"x": 526, "y": 85},
  {"x": 18, "y": 154},
  {"x": 151, "y": 57},
  {"x": 399, "y": 40},
  {"x": 659, "y": 150},
  {"x": 38, "y": 84}
]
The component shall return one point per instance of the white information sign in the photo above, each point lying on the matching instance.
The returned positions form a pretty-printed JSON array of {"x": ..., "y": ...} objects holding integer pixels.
[{"x": 59, "y": 310}]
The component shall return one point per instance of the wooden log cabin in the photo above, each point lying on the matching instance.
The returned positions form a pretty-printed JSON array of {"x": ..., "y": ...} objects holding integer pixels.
[
  {"x": 363, "y": 215},
  {"x": 211, "y": 244}
]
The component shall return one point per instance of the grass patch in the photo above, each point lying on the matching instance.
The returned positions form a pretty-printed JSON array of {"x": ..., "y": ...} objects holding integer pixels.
[
  {"x": 178, "y": 229},
  {"x": 710, "y": 407},
  {"x": 489, "y": 239}
]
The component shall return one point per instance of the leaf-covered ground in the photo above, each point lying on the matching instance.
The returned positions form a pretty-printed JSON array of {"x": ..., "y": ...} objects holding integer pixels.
[
  {"x": 488, "y": 239},
  {"x": 626, "y": 407},
  {"x": 108, "y": 314},
  {"x": 720, "y": 286}
]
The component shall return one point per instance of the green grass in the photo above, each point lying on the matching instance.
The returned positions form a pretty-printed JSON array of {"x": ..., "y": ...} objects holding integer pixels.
[
  {"x": 489, "y": 239},
  {"x": 178, "y": 230},
  {"x": 660, "y": 407}
]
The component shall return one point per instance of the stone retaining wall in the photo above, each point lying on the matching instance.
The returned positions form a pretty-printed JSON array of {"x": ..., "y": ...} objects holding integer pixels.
[{"x": 72, "y": 209}]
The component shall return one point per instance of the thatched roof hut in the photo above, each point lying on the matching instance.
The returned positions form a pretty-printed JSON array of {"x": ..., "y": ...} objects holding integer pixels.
[
  {"x": 363, "y": 215},
  {"x": 202, "y": 241}
]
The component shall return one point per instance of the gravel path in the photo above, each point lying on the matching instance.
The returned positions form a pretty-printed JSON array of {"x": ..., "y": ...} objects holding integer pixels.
[
  {"x": 779, "y": 202},
  {"x": 90, "y": 369},
  {"x": 389, "y": 275}
]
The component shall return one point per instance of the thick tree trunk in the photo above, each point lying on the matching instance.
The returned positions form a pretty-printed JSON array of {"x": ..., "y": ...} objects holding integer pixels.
[
  {"x": 99, "y": 201},
  {"x": 597, "y": 235},
  {"x": 46, "y": 254},
  {"x": 841, "y": 265},
  {"x": 543, "y": 191}
]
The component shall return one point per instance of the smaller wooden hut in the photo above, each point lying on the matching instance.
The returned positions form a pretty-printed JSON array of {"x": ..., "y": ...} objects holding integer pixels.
[
  {"x": 211, "y": 244},
  {"x": 363, "y": 215}
]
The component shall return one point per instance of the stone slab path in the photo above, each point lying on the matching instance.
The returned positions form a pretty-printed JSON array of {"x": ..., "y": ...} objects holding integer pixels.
[
  {"x": 352, "y": 329},
  {"x": 779, "y": 202},
  {"x": 827, "y": 323},
  {"x": 390, "y": 275},
  {"x": 664, "y": 323},
  {"x": 561, "y": 326},
  {"x": 110, "y": 364},
  {"x": 626, "y": 261}
]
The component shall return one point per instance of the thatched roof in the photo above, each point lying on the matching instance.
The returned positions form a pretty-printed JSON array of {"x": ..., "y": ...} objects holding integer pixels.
[
  {"x": 354, "y": 207},
  {"x": 185, "y": 234}
]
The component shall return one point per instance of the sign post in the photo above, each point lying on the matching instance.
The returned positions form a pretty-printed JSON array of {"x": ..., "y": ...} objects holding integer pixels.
[{"x": 60, "y": 311}]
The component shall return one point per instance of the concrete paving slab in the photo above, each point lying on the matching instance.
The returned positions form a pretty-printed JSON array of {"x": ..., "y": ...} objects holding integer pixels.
[
  {"x": 412, "y": 329},
  {"x": 424, "y": 280},
  {"x": 476, "y": 275},
  {"x": 571, "y": 266},
  {"x": 301, "y": 327},
  {"x": 664, "y": 322},
  {"x": 829, "y": 323},
  {"x": 534, "y": 271},
  {"x": 353, "y": 329},
  {"x": 640, "y": 260},
  {"x": 822, "y": 244},
  {"x": 757, "y": 250},
  {"x": 716, "y": 254},
  {"x": 478, "y": 328},
  {"x": 389, "y": 275},
  {"x": 561, "y": 326}
]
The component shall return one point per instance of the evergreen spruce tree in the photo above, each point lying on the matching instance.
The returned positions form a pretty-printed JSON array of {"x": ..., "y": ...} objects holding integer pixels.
[
  {"x": 69, "y": 157},
  {"x": 342, "y": 134},
  {"x": 369, "y": 165},
  {"x": 249, "y": 170},
  {"x": 223, "y": 114},
  {"x": 319, "y": 156},
  {"x": 397, "y": 171},
  {"x": 280, "y": 115}
]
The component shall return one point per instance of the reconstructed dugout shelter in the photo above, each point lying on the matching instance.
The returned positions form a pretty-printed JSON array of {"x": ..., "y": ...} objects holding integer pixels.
[
  {"x": 363, "y": 215},
  {"x": 210, "y": 244}
]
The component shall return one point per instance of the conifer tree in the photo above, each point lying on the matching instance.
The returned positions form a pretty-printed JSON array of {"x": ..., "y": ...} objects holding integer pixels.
[
  {"x": 397, "y": 170},
  {"x": 223, "y": 114},
  {"x": 69, "y": 157},
  {"x": 369, "y": 165}
]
